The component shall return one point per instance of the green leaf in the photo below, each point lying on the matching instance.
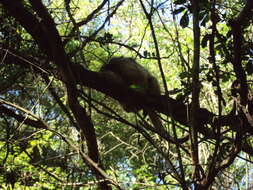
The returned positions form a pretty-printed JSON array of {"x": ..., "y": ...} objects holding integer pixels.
[
  {"x": 179, "y": 10},
  {"x": 146, "y": 53},
  {"x": 184, "y": 21},
  {"x": 249, "y": 67},
  {"x": 184, "y": 75},
  {"x": 136, "y": 87},
  {"x": 205, "y": 39},
  {"x": 179, "y": 2}
]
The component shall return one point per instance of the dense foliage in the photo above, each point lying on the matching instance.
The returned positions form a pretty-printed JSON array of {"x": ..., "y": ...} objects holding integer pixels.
[{"x": 62, "y": 126}]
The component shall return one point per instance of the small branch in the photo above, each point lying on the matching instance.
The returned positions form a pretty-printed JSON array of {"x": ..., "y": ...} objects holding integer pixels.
[
  {"x": 40, "y": 124},
  {"x": 59, "y": 102},
  {"x": 149, "y": 17},
  {"x": 89, "y": 161},
  {"x": 211, "y": 170},
  {"x": 92, "y": 14},
  {"x": 93, "y": 35}
]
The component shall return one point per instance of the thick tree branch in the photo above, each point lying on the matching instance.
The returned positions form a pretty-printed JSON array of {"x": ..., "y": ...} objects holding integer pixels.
[
  {"x": 195, "y": 95},
  {"x": 43, "y": 29},
  {"x": 246, "y": 14},
  {"x": 176, "y": 109},
  {"x": 237, "y": 25}
]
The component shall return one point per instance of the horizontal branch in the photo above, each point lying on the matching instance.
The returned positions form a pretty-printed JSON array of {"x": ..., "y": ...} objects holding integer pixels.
[
  {"x": 175, "y": 109},
  {"x": 39, "y": 124}
]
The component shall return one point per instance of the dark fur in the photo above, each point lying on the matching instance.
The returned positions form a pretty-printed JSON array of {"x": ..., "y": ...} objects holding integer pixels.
[{"x": 131, "y": 73}]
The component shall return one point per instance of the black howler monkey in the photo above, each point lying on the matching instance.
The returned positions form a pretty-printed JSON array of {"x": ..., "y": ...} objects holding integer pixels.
[{"x": 131, "y": 73}]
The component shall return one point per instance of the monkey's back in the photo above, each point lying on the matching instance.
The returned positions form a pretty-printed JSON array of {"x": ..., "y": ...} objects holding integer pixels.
[{"x": 128, "y": 70}]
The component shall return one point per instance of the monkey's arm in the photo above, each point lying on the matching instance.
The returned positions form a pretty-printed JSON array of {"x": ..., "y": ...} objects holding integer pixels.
[{"x": 156, "y": 121}]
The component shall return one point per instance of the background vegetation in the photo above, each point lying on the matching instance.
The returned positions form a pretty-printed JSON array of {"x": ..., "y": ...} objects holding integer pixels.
[{"x": 62, "y": 126}]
